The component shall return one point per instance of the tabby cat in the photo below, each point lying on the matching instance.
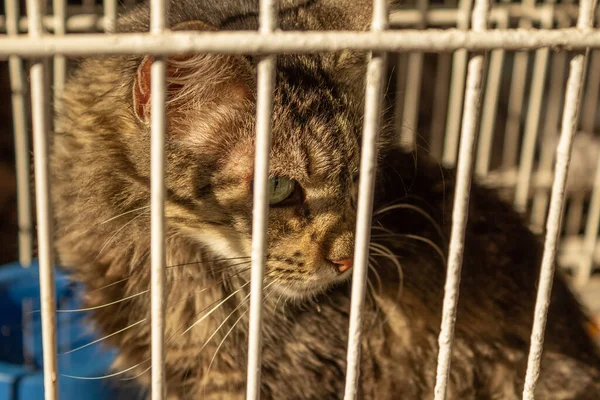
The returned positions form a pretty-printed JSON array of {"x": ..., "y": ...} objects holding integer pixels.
[{"x": 100, "y": 174}]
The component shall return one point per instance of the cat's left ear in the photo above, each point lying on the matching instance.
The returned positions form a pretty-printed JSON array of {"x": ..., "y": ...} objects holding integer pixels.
[{"x": 199, "y": 78}]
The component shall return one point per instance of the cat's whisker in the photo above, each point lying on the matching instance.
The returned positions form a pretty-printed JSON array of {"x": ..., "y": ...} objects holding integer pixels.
[
  {"x": 140, "y": 321},
  {"x": 215, "y": 308},
  {"x": 412, "y": 207},
  {"x": 212, "y": 260},
  {"x": 175, "y": 266},
  {"x": 133, "y": 378},
  {"x": 104, "y": 305},
  {"x": 233, "y": 327},
  {"x": 145, "y": 292},
  {"x": 112, "y": 237},
  {"x": 423, "y": 239},
  {"x": 196, "y": 292},
  {"x": 95, "y": 378},
  {"x": 377, "y": 276},
  {"x": 383, "y": 251},
  {"x": 244, "y": 301},
  {"x": 104, "y": 337},
  {"x": 111, "y": 219}
]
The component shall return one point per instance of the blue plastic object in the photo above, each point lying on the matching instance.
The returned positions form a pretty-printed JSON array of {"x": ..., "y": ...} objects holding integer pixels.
[{"x": 21, "y": 361}]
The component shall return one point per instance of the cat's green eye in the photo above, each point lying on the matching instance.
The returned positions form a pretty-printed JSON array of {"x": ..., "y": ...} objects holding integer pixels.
[{"x": 280, "y": 189}]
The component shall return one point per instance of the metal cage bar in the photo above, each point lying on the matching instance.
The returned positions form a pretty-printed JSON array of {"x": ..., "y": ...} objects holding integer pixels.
[
  {"x": 413, "y": 90},
  {"x": 431, "y": 40},
  {"x": 39, "y": 101},
  {"x": 376, "y": 78},
  {"x": 20, "y": 127},
  {"x": 60, "y": 61},
  {"x": 158, "y": 92},
  {"x": 457, "y": 87},
  {"x": 516, "y": 100},
  {"x": 260, "y": 211},
  {"x": 110, "y": 15},
  {"x": 590, "y": 105},
  {"x": 490, "y": 107},
  {"x": 441, "y": 17},
  {"x": 532, "y": 122},
  {"x": 460, "y": 211},
  {"x": 563, "y": 157},
  {"x": 591, "y": 234},
  {"x": 555, "y": 95}
]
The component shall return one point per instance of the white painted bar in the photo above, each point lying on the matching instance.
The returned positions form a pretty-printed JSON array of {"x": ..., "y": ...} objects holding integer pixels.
[
  {"x": 440, "y": 105},
  {"x": 268, "y": 17},
  {"x": 408, "y": 135},
  {"x": 591, "y": 234},
  {"x": 158, "y": 91},
  {"x": 406, "y": 18},
  {"x": 457, "y": 90},
  {"x": 460, "y": 210},
  {"x": 550, "y": 135},
  {"x": 39, "y": 110},
  {"x": 173, "y": 43},
  {"x": 376, "y": 79},
  {"x": 110, "y": 15},
  {"x": 21, "y": 134},
  {"x": 516, "y": 99},
  {"x": 563, "y": 157},
  {"x": 490, "y": 107},
  {"x": 60, "y": 61},
  {"x": 534, "y": 110},
  {"x": 589, "y": 106}
]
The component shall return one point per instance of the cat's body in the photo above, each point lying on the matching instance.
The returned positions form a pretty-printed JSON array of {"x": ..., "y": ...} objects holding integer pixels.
[{"x": 100, "y": 167}]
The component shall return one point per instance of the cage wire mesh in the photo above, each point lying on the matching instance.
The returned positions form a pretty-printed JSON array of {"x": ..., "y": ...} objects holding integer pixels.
[{"x": 536, "y": 104}]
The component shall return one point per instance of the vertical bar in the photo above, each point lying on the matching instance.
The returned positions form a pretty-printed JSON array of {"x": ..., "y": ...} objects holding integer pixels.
[
  {"x": 490, "y": 105},
  {"x": 590, "y": 104},
  {"x": 563, "y": 157},
  {"x": 555, "y": 96},
  {"x": 23, "y": 169},
  {"x": 440, "y": 104},
  {"x": 457, "y": 88},
  {"x": 401, "y": 72},
  {"x": 440, "y": 99},
  {"x": 591, "y": 234},
  {"x": 413, "y": 89},
  {"x": 532, "y": 123},
  {"x": 39, "y": 101},
  {"x": 575, "y": 214},
  {"x": 158, "y": 24},
  {"x": 460, "y": 210},
  {"x": 376, "y": 75},
  {"x": 516, "y": 99},
  {"x": 260, "y": 212},
  {"x": 60, "y": 61},
  {"x": 110, "y": 15}
]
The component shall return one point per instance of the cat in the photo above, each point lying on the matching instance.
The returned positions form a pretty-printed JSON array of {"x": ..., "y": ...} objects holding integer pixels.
[{"x": 100, "y": 171}]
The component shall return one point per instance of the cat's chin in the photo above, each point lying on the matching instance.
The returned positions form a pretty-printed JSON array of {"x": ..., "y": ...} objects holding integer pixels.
[{"x": 313, "y": 288}]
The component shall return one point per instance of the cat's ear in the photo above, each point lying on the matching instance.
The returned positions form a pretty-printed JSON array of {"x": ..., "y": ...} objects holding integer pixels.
[{"x": 198, "y": 79}]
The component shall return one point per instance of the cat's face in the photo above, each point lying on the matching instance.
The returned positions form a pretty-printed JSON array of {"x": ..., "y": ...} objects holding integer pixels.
[{"x": 313, "y": 171}]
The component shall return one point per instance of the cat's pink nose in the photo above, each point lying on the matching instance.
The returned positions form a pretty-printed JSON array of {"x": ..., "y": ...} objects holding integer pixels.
[{"x": 344, "y": 265}]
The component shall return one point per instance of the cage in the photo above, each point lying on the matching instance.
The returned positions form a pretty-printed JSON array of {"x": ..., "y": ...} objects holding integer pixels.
[{"x": 507, "y": 91}]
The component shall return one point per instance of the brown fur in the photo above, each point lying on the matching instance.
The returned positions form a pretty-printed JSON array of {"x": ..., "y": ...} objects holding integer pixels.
[{"x": 100, "y": 176}]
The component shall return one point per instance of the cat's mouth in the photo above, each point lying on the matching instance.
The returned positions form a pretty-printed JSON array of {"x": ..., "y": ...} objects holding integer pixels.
[{"x": 312, "y": 286}]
